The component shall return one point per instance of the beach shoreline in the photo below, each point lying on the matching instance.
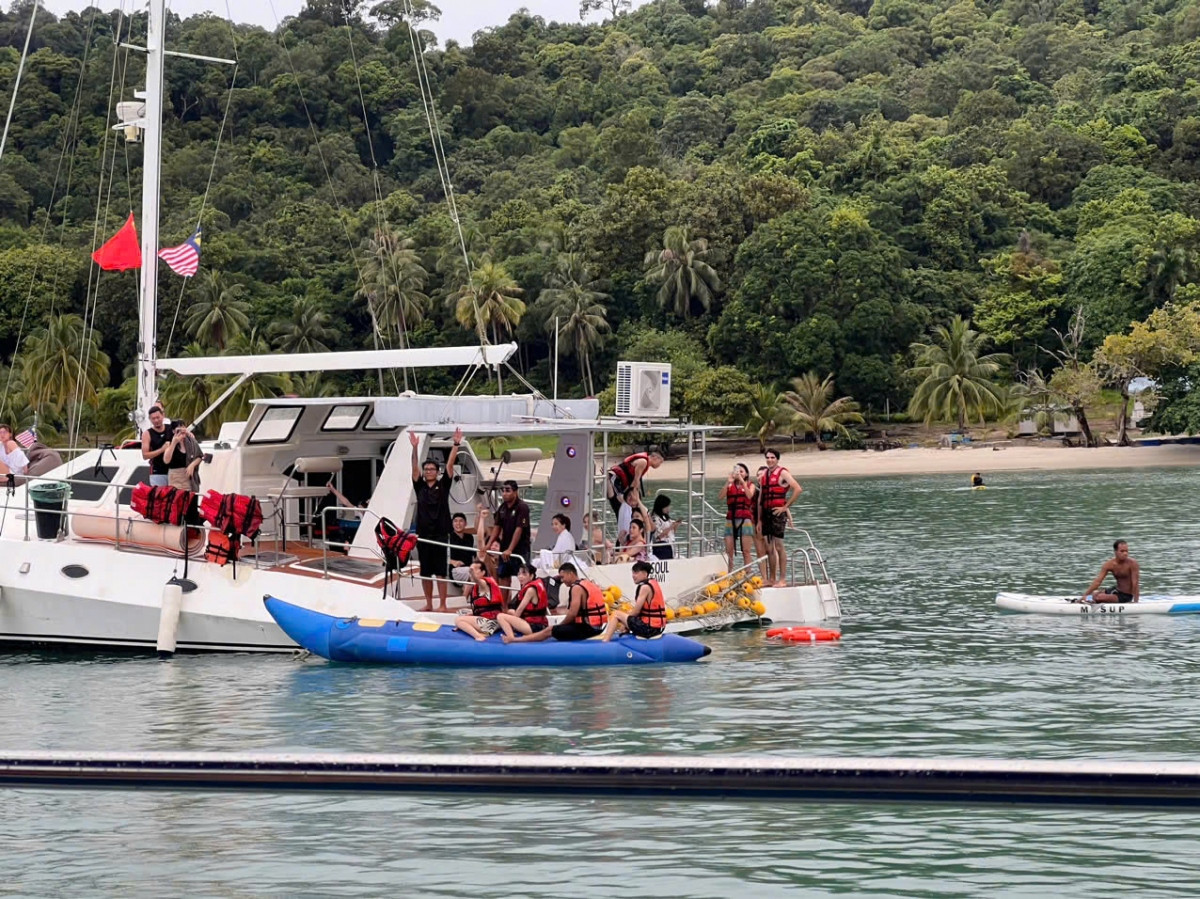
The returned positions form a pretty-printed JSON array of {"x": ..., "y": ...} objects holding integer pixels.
[{"x": 963, "y": 460}]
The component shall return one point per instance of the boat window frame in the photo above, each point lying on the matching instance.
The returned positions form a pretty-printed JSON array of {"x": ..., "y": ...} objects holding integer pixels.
[
  {"x": 378, "y": 429},
  {"x": 362, "y": 410},
  {"x": 269, "y": 416}
]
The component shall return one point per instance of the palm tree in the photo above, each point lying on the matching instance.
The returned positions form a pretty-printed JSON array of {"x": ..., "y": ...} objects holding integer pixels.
[
  {"x": 259, "y": 386},
  {"x": 683, "y": 271},
  {"x": 488, "y": 302},
  {"x": 573, "y": 303},
  {"x": 816, "y": 413},
  {"x": 956, "y": 377},
  {"x": 768, "y": 413},
  {"x": 219, "y": 314},
  {"x": 62, "y": 365},
  {"x": 306, "y": 331},
  {"x": 393, "y": 283},
  {"x": 185, "y": 397}
]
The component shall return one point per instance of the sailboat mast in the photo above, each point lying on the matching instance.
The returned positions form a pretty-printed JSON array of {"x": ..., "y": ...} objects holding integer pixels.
[{"x": 147, "y": 374}]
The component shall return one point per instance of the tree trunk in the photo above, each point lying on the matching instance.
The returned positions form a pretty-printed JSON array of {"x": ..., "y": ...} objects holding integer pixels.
[
  {"x": 1081, "y": 416},
  {"x": 1123, "y": 416}
]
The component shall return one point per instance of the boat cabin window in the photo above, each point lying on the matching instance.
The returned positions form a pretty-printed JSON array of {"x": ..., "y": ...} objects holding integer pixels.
[
  {"x": 141, "y": 475},
  {"x": 343, "y": 418},
  {"x": 97, "y": 480},
  {"x": 276, "y": 425},
  {"x": 373, "y": 425}
]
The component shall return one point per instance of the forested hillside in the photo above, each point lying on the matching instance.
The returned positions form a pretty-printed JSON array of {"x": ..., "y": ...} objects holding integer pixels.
[{"x": 752, "y": 191}]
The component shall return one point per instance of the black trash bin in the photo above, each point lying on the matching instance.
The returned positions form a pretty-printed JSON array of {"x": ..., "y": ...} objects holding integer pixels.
[{"x": 49, "y": 505}]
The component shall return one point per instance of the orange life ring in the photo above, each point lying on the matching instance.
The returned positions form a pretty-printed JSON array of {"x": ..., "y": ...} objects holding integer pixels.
[{"x": 804, "y": 634}]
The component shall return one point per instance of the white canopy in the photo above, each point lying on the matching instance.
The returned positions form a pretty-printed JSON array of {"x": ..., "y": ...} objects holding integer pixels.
[{"x": 366, "y": 360}]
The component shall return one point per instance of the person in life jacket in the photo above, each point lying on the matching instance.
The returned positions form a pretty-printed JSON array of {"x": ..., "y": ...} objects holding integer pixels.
[
  {"x": 778, "y": 490},
  {"x": 532, "y": 606},
  {"x": 487, "y": 604},
  {"x": 741, "y": 500},
  {"x": 587, "y": 613},
  {"x": 648, "y": 617},
  {"x": 627, "y": 475}
]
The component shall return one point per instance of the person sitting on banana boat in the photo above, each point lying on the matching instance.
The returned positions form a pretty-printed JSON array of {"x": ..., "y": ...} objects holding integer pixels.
[
  {"x": 587, "y": 612},
  {"x": 648, "y": 617},
  {"x": 977, "y": 480},
  {"x": 532, "y": 606}
]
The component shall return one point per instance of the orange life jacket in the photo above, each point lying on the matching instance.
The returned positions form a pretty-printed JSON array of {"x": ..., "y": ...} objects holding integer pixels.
[
  {"x": 488, "y": 606},
  {"x": 537, "y": 607},
  {"x": 774, "y": 491},
  {"x": 593, "y": 610},
  {"x": 221, "y": 548},
  {"x": 737, "y": 498},
  {"x": 624, "y": 472},
  {"x": 654, "y": 609}
]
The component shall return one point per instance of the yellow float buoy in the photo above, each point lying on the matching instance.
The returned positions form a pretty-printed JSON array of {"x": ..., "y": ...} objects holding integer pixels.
[
  {"x": 669, "y": 613},
  {"x": 759, "y": 607},
  {"x": 685, "y": 612}
]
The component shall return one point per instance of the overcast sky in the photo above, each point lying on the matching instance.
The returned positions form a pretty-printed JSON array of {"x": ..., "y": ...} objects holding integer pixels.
[{"x": 460, "y": 18}]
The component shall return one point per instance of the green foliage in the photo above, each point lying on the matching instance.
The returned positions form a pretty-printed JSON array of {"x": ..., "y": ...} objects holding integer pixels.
[
  {"x": 956, "y": 379},
  {"x": 775, "y": 188}
]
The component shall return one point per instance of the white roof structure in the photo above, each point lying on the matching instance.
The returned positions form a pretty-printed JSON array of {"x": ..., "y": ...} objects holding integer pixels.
[{"x": 366, "y": 360}]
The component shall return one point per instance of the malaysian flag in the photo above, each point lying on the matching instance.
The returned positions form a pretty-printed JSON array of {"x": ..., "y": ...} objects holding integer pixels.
[
  {"x": 185, "y": 258},
  {"x": 26, "y": 438}
]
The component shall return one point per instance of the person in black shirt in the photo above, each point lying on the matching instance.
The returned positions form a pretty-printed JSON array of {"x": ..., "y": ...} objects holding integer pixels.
[
  {"x": 432, "y": 519},
  {"x": 510, "y": 534},
  {"x": 463, "y": 548}
]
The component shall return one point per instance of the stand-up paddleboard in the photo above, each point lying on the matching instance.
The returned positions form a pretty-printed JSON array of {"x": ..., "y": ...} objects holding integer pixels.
[
  {"x": 430, "y": 643},
  {"x": 1150, "y": 604}
]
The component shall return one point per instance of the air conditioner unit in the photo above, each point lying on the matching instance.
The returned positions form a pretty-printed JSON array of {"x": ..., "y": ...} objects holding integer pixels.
[{"x": 644, "y": 389}]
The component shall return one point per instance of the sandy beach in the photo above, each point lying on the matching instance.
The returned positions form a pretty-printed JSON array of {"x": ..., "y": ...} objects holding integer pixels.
[
  {"x": 986, "y": 458},
  {"x": 811, "y": 463}
]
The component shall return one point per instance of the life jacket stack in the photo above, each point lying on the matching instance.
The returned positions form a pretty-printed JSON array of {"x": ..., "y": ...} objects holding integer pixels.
[
  {"x": 396, "y": 545},
  {"x": 232, "y": 516},
  {"x": 162, "y": 505}
]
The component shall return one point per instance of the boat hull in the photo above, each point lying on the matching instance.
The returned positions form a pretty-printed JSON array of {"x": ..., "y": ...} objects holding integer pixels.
[
  {"x": 400, "y": 643},
  {"x": 1154, "y": 604}
]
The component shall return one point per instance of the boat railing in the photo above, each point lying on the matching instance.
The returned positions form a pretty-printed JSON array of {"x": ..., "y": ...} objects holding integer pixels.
[{"x": 807, "y": 565}]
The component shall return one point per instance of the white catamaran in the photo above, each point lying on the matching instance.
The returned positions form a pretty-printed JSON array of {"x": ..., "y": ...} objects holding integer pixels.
[{"x": 105, "y": 576}]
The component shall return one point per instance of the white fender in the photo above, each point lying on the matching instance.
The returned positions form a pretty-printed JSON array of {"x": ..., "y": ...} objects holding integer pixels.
[{"x": 168, "y": 620}]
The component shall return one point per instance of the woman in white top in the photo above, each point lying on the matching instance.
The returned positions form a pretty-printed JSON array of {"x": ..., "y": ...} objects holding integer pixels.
[
  {"x": 12, "y": 458},
  {"x": 662, "y": 528},
  {"x": 564, "y": 541}
]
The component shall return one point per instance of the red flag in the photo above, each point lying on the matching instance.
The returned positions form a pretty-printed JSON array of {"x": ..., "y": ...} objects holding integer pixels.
[{"x": 122, "y": 251}]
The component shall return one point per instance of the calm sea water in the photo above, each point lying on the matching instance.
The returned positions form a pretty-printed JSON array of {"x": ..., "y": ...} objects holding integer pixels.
[{"x": 928, "y": 667}]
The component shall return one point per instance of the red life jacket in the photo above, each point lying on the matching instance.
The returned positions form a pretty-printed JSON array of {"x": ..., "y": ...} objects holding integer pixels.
[
  {"x": 774, "y": 492},
  {"x": 538, "y": 605},
  {"x": 488, "y": 606},
  {"x": 162, "y": 505},
  {"x": 624, "y": 471},
  {"x": 232, "y": 513},
  {"x": 593, "y": 609},
  {"x": 741, "y": 507},
  {"x": 397, "y": 545},
  {"x": 654, "y": 609}
]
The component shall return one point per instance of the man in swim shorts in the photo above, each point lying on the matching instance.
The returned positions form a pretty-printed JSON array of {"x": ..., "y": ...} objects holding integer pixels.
[{"x": 1125, "y": 569}]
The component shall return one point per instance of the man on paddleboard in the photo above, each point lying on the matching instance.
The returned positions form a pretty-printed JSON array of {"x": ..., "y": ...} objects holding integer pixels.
[{"x": 1127, "y": 572}]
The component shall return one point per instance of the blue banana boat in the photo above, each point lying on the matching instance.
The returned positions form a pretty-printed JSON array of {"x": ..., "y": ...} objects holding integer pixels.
[{"x": 429, "y": 643}]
